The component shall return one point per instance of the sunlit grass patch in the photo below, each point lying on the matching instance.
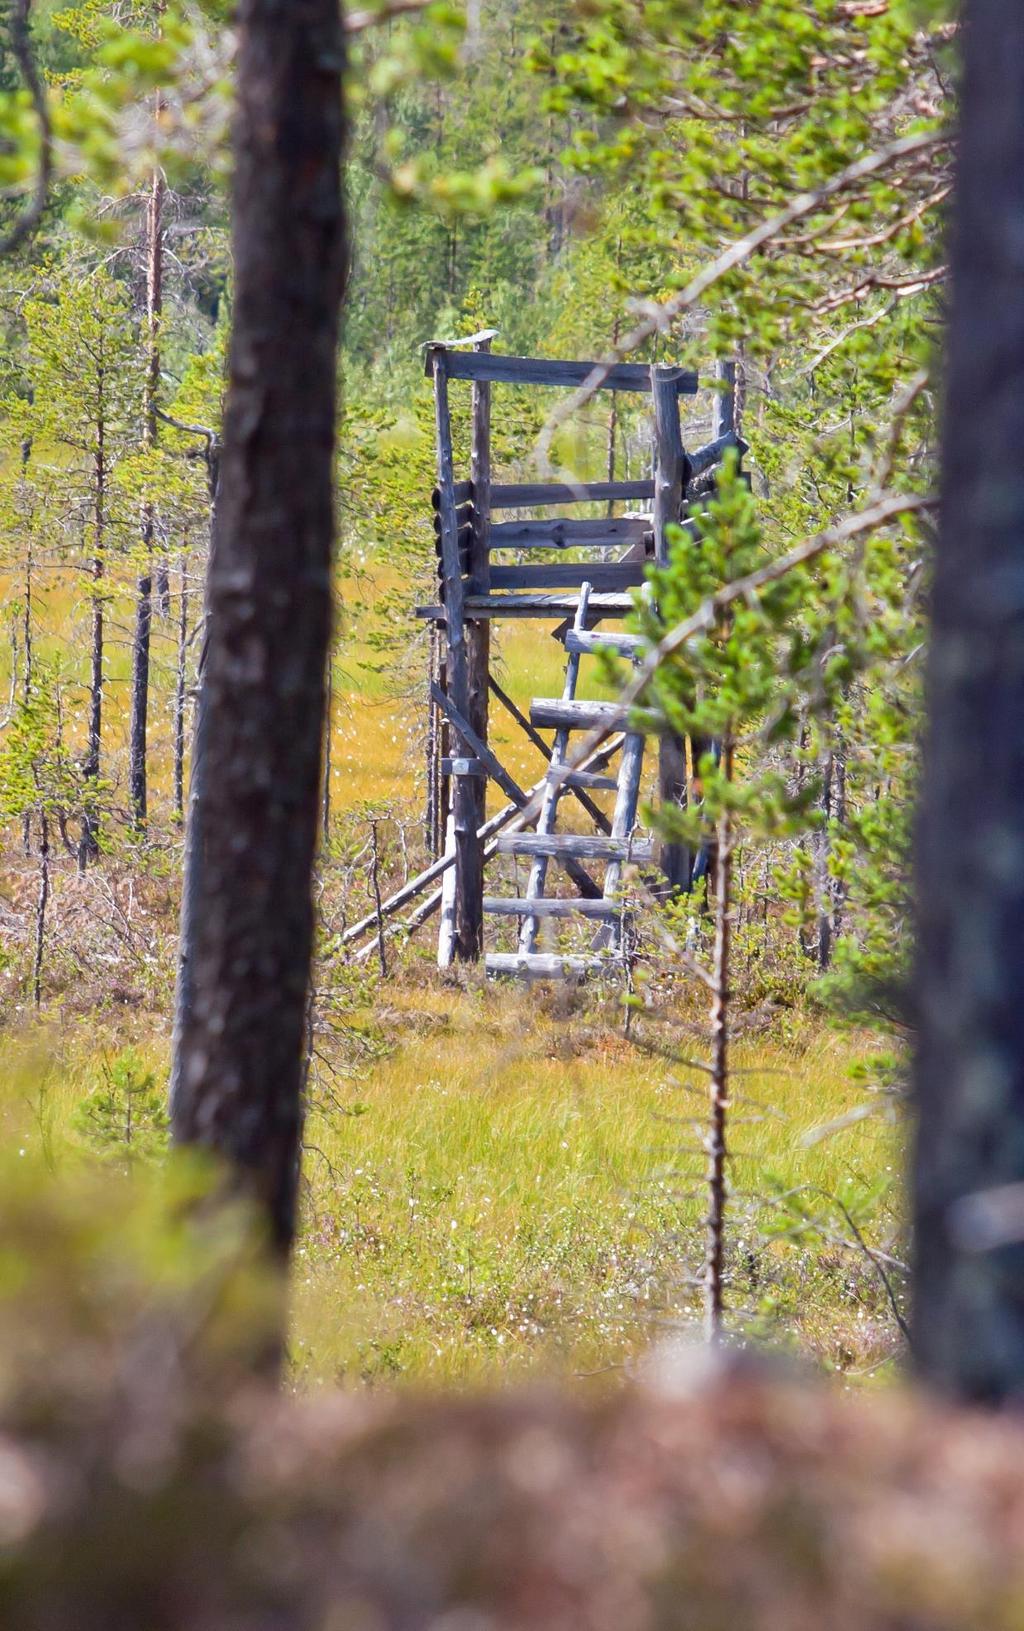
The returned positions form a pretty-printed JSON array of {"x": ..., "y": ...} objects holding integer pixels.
[
  {"x": 520, "y": 1188},
  {"x": 515, "y": 1187}
]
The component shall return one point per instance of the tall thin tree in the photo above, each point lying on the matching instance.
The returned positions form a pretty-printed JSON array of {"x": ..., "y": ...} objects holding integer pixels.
[
  {"x": 83, "y": 367},
  {"x": 237, "y": 1086},
  {"x": 138, "y": 780}
]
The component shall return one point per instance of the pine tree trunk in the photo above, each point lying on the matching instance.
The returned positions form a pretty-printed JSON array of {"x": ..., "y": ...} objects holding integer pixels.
[
  {"x": 179, "y": 693},
  {"x": 969, "y": 1073},
  {"x": 242, "y": 1008},
  {"x": 717, "y": 1146},
  {"x": 837, "y": 887},
  {"x": 138, "y": 792},
  {"x": 137, "y": 765},
  {"x": 88, "y": 848},
  {"x": 822, "y": 853},
  {"x": 613, "y": 411},
  {"x": 42, "y": 900},
  {"x": 27, "y": 669},
  {"x": 325, "y": 789}
]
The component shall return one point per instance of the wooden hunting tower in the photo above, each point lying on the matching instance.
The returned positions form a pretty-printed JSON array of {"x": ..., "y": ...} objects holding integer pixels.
[{"x": 575, "y": 594}]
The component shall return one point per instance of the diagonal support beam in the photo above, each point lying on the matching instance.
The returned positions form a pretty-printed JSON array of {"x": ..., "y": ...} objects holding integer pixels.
[
  {"x": 519, "y": 717},
  {"x": 490, "y": 761},
  {"x": 508, "y": 818},
  {"x": 496, "y": 770},
  {"x": 596, "y": 815}
]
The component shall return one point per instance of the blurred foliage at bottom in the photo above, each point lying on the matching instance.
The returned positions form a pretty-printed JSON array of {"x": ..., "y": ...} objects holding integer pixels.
[{"x": 148, "y": 1481}]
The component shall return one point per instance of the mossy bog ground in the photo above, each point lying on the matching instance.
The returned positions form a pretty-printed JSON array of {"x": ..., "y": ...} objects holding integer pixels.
[{"x": 512, "y": 1186}]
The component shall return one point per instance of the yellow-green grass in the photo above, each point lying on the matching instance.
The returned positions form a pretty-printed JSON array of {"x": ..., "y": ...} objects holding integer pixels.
[
  {"x": 378, "y": 704},
  {"x": 514, "y": 1187},
  {"x": 522, "y": 1189}
]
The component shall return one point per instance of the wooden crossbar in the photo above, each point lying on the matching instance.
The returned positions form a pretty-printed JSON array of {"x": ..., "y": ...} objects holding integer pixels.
[
  {"x": 584, "y": 846},
  {"x": 559, "y": 713},
  {"x": 590, "y": 641},
  {"x": 500, "y": 370},
  {"x": 617, "y": 575},
  {"x": 548, "y": 606},
  {"x": 549, "y": 966},
  {"x": 596, "y": 911},
  {"x": 538, "y": 495},
  {"x": 561, "y": 534}
]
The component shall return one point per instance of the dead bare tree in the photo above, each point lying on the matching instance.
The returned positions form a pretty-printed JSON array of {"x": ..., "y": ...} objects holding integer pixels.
[{"x": 138, "y": 779}]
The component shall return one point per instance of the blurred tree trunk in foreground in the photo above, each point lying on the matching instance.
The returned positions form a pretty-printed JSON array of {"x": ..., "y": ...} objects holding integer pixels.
[
  {"x": 237, "y": 1087},
  {"x": 969, "y": 1271}
]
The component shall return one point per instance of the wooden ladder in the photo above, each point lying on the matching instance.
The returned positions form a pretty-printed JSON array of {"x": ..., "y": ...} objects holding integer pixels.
[{"x": 566, "y": 715}]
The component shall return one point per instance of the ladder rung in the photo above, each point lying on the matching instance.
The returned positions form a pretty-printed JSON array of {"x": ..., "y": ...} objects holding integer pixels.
[
  {"x": 604, "y": 911},
  {"x": 576, "y": 716},
  {"x": 584, "y": 778},
  {"x": 580, "y": 846},
  {"x": 586, "y": 642},
  {"x": 542, "y": 966}
]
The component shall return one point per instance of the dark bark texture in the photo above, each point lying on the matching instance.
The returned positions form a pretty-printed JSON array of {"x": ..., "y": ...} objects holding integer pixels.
[
  {"x": 240, "y": 1034},
  {"x": 969, "y": 1288}
]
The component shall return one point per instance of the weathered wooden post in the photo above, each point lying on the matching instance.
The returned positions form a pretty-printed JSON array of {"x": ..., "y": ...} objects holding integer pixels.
[
  {"x": 469, "y": 926},
  {"x": 462, "y": 928},
  {"x": 669, "y": 482},
  {"x": 430, "y": 752},
  {"x": 723, "y": 415}
]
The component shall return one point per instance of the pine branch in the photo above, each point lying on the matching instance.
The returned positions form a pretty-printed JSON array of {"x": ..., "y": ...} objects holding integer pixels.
[
  {"x": 659, "y": 316},
  {"x": 905, "y": 287},
  {"x": 21, "y": 47},
  {"x": 357, "y": 22},
  {"x": 886, "y": 508},
  {"x": 190, "y": 430}
]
